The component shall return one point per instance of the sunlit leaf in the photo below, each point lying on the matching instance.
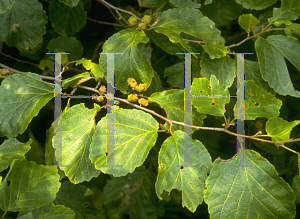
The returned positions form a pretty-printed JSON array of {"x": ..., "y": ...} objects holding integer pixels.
[
  {"x": 258, "y": 103},
  {"x": 12, "y": 149},
  {"x": 251, "y": 191},
  {"x": 209, "y": 97},
  {"x": 135, "y": 134},
  {"x": 172, "y": 101},
  {"x": 77, "y": 126},
  {"x": 280, "y": 129},
  {"x": 172, "y": 174},
  {"x": 21, "y": 98}
]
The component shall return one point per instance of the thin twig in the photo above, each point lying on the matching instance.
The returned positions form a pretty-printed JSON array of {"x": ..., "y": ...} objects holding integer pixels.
[
  {"x": 118, "y": 9},
  {"x": 256, "y": 35},
  {"x": 198, "y": 127},
  {"x": 19, "y": 60},
  {"x": 194, "y": 41},
  {"x": 107, "y": 23}
]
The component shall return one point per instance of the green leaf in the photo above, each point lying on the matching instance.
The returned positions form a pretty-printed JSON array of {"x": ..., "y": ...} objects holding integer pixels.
[
  {"x": 252, "y": 72},
  {"x": 74, "y": 197},
  {"x": 23, "y": 28},
  {"x": 89, "y": 65},
  {"x": 155, "y": 86},
  {"x": 293, "y": 30},
  {"x": 251, "y": 191},
  {"x": 5, "y": 5},
  {"x": 299, "y": 163},
  {"x": 165, "y": 44},
  {"x": 66, "y": 20},
  {"x": 208, "y": 2},
  {"x": 185, "y": 3},
  {"x": 172, "y": 101},
  {"x": 131, "y": 194},
  {"x": 222, "y": 12},
  {"x": 280, "y": 129},
  {"x": 223, "y": 68},
  {"x": 190, "y": 21},
  {"x": 21, "y": 98},
  {"x": 210, "y": 97},
  {"x": 77, "y": 121},
  {"x": 135, "y": 135},
  {"x": 70, "y": 3},
  {"x": 289, "y": 10},
  {"x": 130, "y": 64},
  {"x": 189, "y": 180},
  {"x": 256, "y": 4},
  {"x": 28, "y": 186},
  {"x": 175, "y": 73},
  {"x": 248, "y": 22},
  {"x": 59, "y": 212},
  {"x": 12, "y": 149},
  {"x": 152, "y": 3},
  {"x": 48, "y": 61},
  {"x": 296, "y": 187},
  {"x": 258, "y": 103},
  {"x": 68, "y": 44},
  {"x": 48, "y": 211},
  {"x": 72, "y": 81},
  {"x": 271, "y": 53}
]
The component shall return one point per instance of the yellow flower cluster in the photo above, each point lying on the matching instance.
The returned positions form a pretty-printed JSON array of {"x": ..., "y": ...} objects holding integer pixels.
[{"x": 139, "y": 88}]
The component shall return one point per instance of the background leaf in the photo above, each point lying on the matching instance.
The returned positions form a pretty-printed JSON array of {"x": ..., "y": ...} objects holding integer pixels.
[
  {"x": 188, "y": 20},
  {"x": 23, "y": 28},
  {"x": 271, "y": 53},
  {"x": 66, "y": 20},
  {"x": 223, "y": 68},
  {"x": 28, "y": 186},
  {"x": 289, "y": 10},
  {"x": 131, "y": 194},
  {"x": 130, "y": 64},
  {"x": 5, "y": 5},
  {"x": 185, "y": 3},
  {"x": 256, "y": 4}
]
